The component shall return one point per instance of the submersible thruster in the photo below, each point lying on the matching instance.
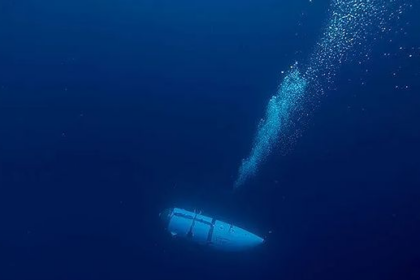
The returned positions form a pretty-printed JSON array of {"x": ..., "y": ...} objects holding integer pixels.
[{"x": 208, "y": 231}]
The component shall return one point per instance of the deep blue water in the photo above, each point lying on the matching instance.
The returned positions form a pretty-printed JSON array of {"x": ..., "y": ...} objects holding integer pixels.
[{"x": 111, "y": 111}]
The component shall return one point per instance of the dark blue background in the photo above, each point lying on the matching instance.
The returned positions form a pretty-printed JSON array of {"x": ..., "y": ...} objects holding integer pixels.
[{"x": 111, "y": 111}]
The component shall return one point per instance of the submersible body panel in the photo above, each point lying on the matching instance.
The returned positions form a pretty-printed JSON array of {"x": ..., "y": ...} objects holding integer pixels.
[{"x": 208, "y": 231}]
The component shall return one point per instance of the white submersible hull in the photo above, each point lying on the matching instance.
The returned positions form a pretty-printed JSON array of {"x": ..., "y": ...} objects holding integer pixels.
[{"x": 208, "y": 231}]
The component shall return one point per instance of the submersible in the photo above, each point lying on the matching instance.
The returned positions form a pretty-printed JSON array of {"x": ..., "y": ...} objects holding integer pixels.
[{"x": 207, "y": 231}]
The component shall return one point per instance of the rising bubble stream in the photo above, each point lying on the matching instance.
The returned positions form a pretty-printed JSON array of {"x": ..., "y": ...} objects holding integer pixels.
[{"x": 352, "y": 24}]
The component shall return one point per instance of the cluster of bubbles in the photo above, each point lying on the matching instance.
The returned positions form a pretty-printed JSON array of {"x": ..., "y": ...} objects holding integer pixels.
[
  {"x": 351, "y": 25},
  {"x": 279, "y": 109}
]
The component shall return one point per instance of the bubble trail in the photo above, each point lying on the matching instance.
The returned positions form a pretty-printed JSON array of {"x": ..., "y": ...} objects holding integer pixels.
[
  {"x": 350, "y": 25},
  {"x": 279, "y": 109}
]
